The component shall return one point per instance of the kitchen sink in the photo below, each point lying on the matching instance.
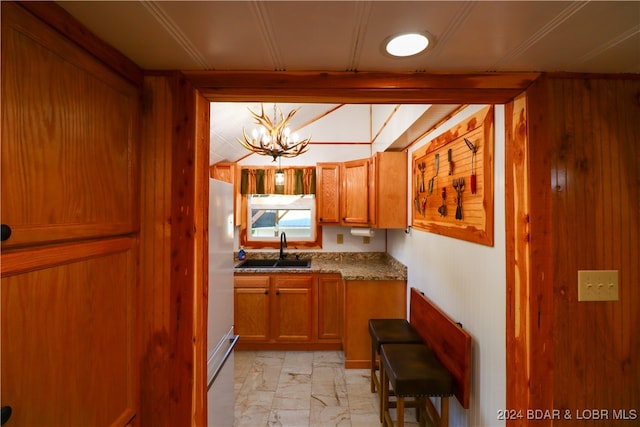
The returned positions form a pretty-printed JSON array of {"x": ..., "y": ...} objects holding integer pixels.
[
  {"x": 257, "y": 263},
  {"x": 293, "y": 263},
  {"x": 274, "y": 263}
]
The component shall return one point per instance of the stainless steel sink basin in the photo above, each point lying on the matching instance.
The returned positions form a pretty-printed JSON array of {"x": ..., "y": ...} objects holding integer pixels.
[{"x": 274, "y": 263}]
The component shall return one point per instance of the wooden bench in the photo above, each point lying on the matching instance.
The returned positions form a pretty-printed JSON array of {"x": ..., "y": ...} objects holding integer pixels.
[{"x": 444, "y": 357}]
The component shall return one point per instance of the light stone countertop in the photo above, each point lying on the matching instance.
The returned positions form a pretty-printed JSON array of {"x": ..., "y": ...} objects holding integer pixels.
[{"x": 351, "y": 265}]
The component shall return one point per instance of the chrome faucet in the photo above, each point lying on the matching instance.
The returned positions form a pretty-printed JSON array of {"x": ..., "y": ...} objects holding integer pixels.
[{"x": 283, "y": 244}]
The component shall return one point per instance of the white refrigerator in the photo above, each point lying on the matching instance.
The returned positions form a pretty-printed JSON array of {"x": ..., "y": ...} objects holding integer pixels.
[{"x": 220, "y": 335}]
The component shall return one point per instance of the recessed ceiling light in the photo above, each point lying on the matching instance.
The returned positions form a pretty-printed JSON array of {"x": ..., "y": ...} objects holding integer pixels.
[{"x": 407, "y": 44}]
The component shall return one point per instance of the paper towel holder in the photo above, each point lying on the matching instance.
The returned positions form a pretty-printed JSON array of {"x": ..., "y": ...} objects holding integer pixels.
[{"x": 363, "y": 232}]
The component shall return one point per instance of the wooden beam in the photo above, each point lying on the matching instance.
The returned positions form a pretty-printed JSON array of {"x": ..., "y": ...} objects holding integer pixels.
[{"x": 361, "y": 87}]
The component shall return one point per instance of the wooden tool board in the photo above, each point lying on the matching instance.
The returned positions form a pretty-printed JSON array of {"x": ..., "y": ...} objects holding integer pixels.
[{"x": 472, "y": 218}]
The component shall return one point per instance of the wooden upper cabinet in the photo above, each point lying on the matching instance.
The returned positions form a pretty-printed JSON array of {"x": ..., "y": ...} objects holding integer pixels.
[
  {"x": 354, "y": 199},
  {"x": 230, "y": 172},
  {"x": 388, "y": 191},
  {"x": 68, "y": 161},
  {"x": 224, "y": 171},
  {"x": 328, "y": 193},
  {"x": 368, "y": 192}
]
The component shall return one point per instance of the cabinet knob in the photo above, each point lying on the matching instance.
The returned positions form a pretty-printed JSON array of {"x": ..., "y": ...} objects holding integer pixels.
[
  {"x": 6, "y": 410},
  {"x": 320, "y": 219},
  {"x": 277, "y": 292},
  {"x": 266, "y": 292},
  {"x": 6, "y": 232}
]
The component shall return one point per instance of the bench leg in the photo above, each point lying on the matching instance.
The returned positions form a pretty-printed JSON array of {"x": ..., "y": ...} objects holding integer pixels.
[
  {"x": 373, "y": 368},
  {"x": 384, "y": 394},
  {"x": 400, "y": 411},
  {"x": 444, "y": 411},
  {"x": 421, "y": 412}
]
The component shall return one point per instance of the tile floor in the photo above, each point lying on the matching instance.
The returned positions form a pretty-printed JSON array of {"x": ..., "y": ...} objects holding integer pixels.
[{"x": 303, "y": 388}]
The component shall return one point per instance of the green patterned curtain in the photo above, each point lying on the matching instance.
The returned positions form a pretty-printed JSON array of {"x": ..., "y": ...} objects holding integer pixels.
[{"x": 299, "y": 180}]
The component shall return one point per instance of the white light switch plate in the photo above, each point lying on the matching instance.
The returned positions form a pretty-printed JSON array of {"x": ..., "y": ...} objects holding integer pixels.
[{"x": 597, "y": 285}]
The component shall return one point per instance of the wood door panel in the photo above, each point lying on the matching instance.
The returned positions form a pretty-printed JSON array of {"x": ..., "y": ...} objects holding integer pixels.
[
  {"x": 294, "y": 314},
  {"x": 292, "y": 307},
  {"x": 67, "y": 161},
  {"x": 355, "y": 192},
  {"x": 328, "y": 194},
  {"x": 251, "y": 313},
  {"x": 364, "y": 300},
  {"x": 67, "y": 347},
  {"x": 330, "y": 306}
]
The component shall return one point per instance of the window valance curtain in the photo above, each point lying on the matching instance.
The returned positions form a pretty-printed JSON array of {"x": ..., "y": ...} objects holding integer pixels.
[{"x": 298, "y": 180}]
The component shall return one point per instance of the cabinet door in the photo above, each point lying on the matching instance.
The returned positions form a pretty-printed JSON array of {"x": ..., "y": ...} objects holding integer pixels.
[
  {"x": 390, "y": 195},
  {"x": 224, "y": 171},
  {"x": 364, "y": 300},
  {"x": 328, "y": 193},
  {"x": 292, "y": 307},
  {"x": 330, "y": 306},
  {"x": 68, "y": 341},
  {"x": 68, "y": 155},
  {"x": 373, "y": 192},
  {"x": 251, "y": 308},
  {"x": 355, "y": 192}
]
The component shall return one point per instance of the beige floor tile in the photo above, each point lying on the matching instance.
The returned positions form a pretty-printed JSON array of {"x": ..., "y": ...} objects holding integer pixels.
[
  {"x": 303, "y": 388},
  {"x": 289, "y": 418}
]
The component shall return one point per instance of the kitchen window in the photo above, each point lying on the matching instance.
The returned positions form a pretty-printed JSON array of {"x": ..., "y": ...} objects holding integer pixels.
[{"x": 268, "y": 215}]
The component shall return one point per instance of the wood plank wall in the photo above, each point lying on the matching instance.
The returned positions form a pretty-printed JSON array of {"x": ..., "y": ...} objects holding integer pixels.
[
  {"x": 174, "y": 170},
  {"x": 583, "y": 212},
  {"x": 595, "y": 177},
  {"x": 155, "y": 254}
]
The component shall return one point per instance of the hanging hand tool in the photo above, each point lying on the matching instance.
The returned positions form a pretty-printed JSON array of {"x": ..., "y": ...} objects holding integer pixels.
[
  {"x": 437, "y": 167},
  {"x": 458, "y": 185},
  {"x": 450, "y": 158},
  {"x": 474, "y": 149},
  {"x": 422, "y": 166},
  {"x": 417, "y": 199},
  {"x": 442, "y": 210}
]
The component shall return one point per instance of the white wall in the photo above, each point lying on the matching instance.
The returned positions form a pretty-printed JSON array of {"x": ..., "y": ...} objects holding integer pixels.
[{"x": 467, "y": 281}]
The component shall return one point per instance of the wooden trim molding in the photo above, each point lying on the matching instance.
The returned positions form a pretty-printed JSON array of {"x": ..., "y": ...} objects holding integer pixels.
[
  {"x": 60, "y": 20},
  {"x": 368, "y": 87},
  {"x": 22, "y": 261}
]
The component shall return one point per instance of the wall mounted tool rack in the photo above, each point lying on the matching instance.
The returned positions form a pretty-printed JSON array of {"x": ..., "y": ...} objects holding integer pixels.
[{"x": 452, "y": 181}]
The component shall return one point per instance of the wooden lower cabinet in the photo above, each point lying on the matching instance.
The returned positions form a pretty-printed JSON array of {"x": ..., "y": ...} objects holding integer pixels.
[
  {"x": 288, "y": 311},
  {"x": 251, "y": 308},
  {"x": 292, "y": 306},
  {"x": 364, "y": 300},
  {"x": 330, "y": 306}
]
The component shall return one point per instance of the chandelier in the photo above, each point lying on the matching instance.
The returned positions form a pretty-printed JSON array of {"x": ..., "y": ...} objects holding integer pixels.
[{"x": 274, "y": 138}]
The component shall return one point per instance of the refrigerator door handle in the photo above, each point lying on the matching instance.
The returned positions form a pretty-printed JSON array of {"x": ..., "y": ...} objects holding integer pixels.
[{"x": 234, "y": 341}]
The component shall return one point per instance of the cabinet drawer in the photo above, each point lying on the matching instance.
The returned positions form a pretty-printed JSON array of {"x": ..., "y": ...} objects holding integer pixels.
[{"x": 251, "y": 281}]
